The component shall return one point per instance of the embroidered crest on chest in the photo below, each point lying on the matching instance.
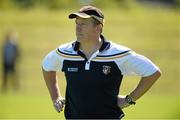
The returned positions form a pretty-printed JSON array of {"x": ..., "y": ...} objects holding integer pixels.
[{"x": 106, "y": 69}]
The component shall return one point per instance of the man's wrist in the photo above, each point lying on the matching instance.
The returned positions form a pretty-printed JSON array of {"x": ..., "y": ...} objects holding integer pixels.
[
  {"x": 54, "y": 99},
  {"x": 129, "y": 100}
]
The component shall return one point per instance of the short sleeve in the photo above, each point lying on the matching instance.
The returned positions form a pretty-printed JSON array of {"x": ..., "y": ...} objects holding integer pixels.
[
  {"x": 135, "y": 64},
  {"x": 52, "y": 62}
]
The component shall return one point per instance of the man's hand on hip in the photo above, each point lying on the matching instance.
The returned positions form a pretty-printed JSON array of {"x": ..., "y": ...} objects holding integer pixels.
[
  {"x": 122, "y": 102},
  {"x": 59, "y": 104}
]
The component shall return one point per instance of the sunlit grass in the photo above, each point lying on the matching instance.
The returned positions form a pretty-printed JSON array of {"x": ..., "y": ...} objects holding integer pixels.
[{"x": 31, "y": 107}]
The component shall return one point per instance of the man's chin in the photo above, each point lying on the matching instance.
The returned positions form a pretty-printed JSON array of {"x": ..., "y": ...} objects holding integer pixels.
[{"x": 79, "y": 37}]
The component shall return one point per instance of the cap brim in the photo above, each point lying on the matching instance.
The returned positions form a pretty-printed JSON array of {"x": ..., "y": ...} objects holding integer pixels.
[{"x": 81, "y": 15}]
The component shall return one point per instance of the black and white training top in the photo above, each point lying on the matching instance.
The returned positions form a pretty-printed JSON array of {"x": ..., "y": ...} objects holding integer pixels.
[{"x": 93, "y": 84}]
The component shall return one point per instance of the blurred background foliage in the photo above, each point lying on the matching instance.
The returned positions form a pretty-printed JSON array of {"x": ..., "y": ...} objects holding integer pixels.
[{"x": 59, "y": 4}]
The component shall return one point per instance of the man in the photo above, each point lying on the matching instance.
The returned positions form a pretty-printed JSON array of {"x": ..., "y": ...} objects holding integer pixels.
[{"x": 94, "y": 68}]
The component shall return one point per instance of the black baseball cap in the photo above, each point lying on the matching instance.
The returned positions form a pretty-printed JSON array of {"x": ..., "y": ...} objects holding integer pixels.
[{"x": 89, "y": 11}]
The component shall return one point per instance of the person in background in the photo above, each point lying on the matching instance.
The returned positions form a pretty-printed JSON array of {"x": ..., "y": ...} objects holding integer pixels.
[{"x": 10, "y": 55}]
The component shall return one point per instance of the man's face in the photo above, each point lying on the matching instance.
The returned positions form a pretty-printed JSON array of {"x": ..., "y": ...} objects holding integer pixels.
[{"x": 84, "y": 28}]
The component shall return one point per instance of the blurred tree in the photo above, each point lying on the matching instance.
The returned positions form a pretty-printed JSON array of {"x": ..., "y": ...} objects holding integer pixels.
[
  {"x": 178, "y": 3},
  {"x": 123, "y": 3},
  {"x": 85, "y": 2},
  {"x": 171, "y": 2},
  {"x": 55, "y": 4},
  {"x": 24, "y": 3},
  {"x": 6, "y": 4},
  {"x": 1, "y": 3},
  {"x": 58, "y": 4}
]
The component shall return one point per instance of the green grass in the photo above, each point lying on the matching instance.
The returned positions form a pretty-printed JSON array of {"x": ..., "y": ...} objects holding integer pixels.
[
  {"x": 153, "y": 33},
  {"x": 31, "y": 107},
  {"x": 27, "y": 107}
]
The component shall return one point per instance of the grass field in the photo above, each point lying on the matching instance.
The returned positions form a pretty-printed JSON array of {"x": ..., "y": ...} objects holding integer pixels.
[{"x": 154, "y": 33}]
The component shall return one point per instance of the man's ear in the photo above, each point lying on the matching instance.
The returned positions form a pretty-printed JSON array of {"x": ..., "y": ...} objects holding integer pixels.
[{"x": 99, "y": 28}]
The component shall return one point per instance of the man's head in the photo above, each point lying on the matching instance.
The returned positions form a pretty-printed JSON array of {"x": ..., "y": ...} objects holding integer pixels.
[{"x": 89, "y": 21}]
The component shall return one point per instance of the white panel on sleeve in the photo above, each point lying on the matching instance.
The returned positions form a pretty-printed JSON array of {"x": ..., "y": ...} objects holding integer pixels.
[
  {"x": 138, "y": 65},
  {"x": 52, "y": 62}
]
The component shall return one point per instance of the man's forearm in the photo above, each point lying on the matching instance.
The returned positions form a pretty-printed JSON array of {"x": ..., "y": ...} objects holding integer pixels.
[
  {"x": 144, "y": 85},
  {"x": 52, "y": 84},
  {"x": 54, "y": 90}
]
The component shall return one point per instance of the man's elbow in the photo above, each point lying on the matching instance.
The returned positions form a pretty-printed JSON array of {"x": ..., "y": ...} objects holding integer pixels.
[{"x": 157, "y": 74}]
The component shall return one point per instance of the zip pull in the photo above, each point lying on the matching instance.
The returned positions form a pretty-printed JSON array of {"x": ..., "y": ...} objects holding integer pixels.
[{"x": 87, "y": 65}]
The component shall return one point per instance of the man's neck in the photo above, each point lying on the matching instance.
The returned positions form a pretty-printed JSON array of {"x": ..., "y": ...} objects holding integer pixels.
[{"x": 90, "y": 46}]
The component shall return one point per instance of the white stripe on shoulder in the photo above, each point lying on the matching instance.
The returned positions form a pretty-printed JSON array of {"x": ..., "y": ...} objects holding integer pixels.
[
  {"x": 67, "y": 52},
  {"x": 67, "y": 49},
  {"x": 114, "y": 50}
]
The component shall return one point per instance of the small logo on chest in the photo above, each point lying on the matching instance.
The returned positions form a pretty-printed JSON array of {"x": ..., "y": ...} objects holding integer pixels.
[
  {"x": 72, "y": 69},
  {"x": 106, "y": 69}
]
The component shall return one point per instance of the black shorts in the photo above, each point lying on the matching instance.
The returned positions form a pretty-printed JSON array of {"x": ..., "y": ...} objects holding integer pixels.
[{"x": 9, "y": 68}]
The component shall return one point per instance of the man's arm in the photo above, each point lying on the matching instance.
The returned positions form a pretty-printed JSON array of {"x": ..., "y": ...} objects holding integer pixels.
[
  {"x": 144, "y": 85},
  {"x": 52, "y": 85}
]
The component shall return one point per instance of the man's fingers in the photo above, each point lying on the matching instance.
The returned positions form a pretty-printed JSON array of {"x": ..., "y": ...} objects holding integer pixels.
[
  {"x": 59, "y": 104},
  {"x": 63, "y": 102}
]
